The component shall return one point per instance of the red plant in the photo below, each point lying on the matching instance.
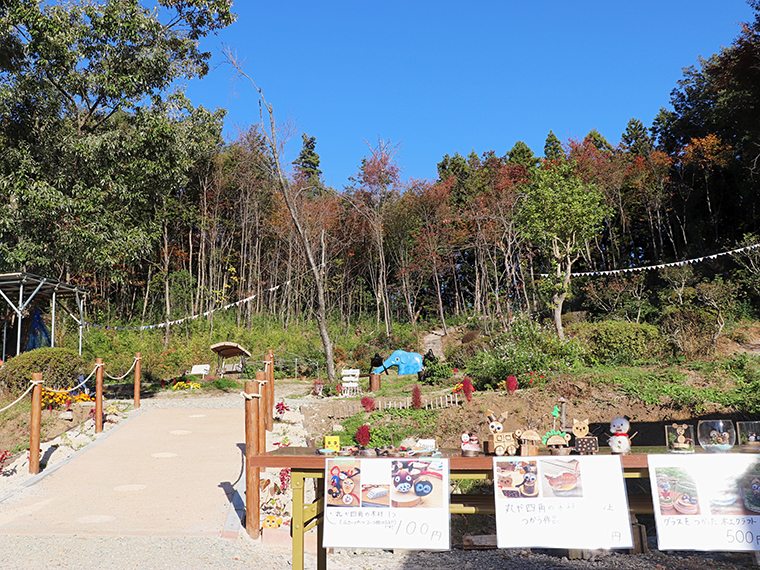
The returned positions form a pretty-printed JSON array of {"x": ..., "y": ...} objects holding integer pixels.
[
  {"x": 284, "y": 479},
  {"x": 5, "y": 457},
  {"x": 362, "y": 435},
  {"x": 368, "y": 403},
  {"x": 467, "y": 388},
  {"x": 511, "y": 385},
  {"x": 416, "y": 397}
]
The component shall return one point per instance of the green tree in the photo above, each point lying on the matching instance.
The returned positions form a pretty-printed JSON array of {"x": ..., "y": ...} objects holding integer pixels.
[
  {"x": 307, "y": 163},
  {"x": 553, "y": 148},
  {"x": 636, "y": 139},
  {"x": 522, "y": 155},
  {"x": 560, "y": 214}
]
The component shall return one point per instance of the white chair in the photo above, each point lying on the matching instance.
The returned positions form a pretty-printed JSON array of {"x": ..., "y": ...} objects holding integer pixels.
[
  {"x": 350, "y": 382},
  {"x": 200, "y": 370}
]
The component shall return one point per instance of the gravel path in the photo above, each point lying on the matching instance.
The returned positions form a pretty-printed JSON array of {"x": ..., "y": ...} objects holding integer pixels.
[{"x": 84, "y": 552}]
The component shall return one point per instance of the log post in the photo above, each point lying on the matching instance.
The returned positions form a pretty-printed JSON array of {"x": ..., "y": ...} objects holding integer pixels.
[
  {"x": 138, "y": 376},
  {"x": 270, "y": 391},
  {"x": 36, "y": 424},
  {"x": 252, "y": 474},
  {"x": 374, "y": 382},
  {"x": 99, "y": 395},
  {"x": 262, "y": 424}
]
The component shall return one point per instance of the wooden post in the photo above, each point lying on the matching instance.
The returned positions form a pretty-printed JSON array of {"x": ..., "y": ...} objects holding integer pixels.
[
  {"x": 261, "y": 424},
  {"x": 374, "y": 382},
  {"x": 36, "y": 424},
  {"x": 270, "y": 391},
  {"x": 252, "y": 475},
  {"x": 99, "y": 395},
  {"x": 138, "y": 375}
]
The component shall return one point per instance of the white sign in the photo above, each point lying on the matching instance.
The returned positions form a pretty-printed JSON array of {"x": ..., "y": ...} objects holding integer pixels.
[
  {"x": 561, "y": 502},
  {"x": 706, "y": 501},
  {"x": 387, "y": 503}
]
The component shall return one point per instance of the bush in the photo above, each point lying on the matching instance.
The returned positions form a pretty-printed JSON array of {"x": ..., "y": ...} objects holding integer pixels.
[
  {"x": 527, "y": 347},
  {"x": 60, "y": 369},
  {"x": 619, "y": 343},
  {"x": 693, "y": 331},
  {"x": 437, "y": 373}
]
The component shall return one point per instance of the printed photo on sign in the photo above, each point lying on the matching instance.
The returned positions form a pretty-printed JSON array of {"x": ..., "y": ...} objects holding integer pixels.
[
  {"x": 344, "y": 483},
  {"x": 517, "y": 479},
  {"x": 676, "y": 492},
  {"x": 561, "y": 502},
  {"x": 562, "y": 478},
  {"x": 706, "y": 501},
  {"x": 417, "y": 483},
  {"x": 392, "y": 503}
]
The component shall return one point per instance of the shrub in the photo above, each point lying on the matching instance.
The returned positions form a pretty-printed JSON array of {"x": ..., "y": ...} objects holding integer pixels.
[
  {"x": 527, "y": 347},
  {"x": 437, "y": 373},
  {"x": 362, "y": 436},
  {"x": 416, "y": 397},
  {"x": 60, "y": 368},
  {"x": 467, "y": 389},
  {"x": 368, "y": 403},
  {"x": 619, "y": 343}
]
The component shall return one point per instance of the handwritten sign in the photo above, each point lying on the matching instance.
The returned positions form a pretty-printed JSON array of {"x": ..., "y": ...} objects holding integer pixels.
[
  {"x": 561, "y": 502},
  {"x": 387, "y": 503},
  {"x": 706, "y": 502}
]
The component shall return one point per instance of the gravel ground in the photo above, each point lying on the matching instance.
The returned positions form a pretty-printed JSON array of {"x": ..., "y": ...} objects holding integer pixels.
[{"x": 85, "y": 552}]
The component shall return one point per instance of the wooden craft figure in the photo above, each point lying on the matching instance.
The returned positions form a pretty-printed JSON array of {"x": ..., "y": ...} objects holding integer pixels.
[
  {"x": 585, "y": 444},
  {"x": 557, "y": 442},
  {"x": 529, "y": 441},
  {"x": 500, "y": 442},
  {"x": 410, "y": 484},
  {"x": 620, "y": 441},
  {"x": 681, "y": 443}
]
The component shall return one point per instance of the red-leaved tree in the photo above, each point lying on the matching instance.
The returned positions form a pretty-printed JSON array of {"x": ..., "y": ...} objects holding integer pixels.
[
  {"x": 416, "y": 397},
  {"x": 368, "y": 403},
  {"x": 362, "y": 436},
  {"x": 467, "y": 388}
]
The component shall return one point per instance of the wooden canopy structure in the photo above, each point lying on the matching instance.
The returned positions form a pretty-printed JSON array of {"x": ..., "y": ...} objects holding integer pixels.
[
  {"x": 20, "y": 289},
  {"x": 226, "y": 350}
]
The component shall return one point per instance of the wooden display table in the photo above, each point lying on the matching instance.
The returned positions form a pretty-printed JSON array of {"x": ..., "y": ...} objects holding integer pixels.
[{"x": 304, "y": 464}]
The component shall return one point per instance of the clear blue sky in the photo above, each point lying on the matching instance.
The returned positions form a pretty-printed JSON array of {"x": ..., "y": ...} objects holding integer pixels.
[{"x": 444, "y": 77}]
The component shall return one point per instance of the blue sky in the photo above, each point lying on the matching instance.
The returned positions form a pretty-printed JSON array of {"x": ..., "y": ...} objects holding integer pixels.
[{"x": 444, "y": 77}]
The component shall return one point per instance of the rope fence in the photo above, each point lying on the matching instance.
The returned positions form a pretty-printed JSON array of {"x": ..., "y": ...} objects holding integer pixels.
[{"x": 36, "y": 386}]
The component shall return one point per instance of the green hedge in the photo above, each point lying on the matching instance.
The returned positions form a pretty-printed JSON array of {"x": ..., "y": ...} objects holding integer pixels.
[
  {"x": 60, "y": 369},
  {"x": 619, "y": 342}
]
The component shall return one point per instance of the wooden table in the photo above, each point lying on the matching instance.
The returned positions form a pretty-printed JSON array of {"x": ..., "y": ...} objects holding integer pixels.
[{"x": 304, "y": 464}]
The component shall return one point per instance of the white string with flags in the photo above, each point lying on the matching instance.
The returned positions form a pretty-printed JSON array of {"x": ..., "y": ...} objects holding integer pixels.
[{"x": 661, "y": 265}]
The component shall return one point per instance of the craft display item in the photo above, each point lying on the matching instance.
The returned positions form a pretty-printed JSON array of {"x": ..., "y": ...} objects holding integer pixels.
[
  {"x": 557, "y": 442},
  {"x": 332, "y": 442},
  {"x": 620, "y": 441},
  {"x": 499, "y": 442},
  {"x": 585, "y": 444},
  {"x": 679, "y": 438},
  {"x": 529, "y": 441},
  {"x": 470, "y": 445},
  {"x": 716, "y": 436},
  {"x": 749, "y": 437}
]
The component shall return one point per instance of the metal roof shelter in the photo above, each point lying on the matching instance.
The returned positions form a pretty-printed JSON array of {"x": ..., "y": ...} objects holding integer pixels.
[{"x": 19, "y": 289}]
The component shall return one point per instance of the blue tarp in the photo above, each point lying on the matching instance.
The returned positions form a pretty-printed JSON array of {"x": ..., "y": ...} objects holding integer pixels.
[{"x": 39, "y": 335}]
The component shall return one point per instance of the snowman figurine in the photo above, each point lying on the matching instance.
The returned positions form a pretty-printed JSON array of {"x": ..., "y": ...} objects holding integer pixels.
[{"x": 620, "y": 442}]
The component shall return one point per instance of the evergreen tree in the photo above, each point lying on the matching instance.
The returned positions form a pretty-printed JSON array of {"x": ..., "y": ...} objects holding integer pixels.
[
  {"x": 553, "y": 148},
  {"x": 636, "y": 140},
  {"x": 307, "y": 163},
  {"x": 522, "y": 155}
]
